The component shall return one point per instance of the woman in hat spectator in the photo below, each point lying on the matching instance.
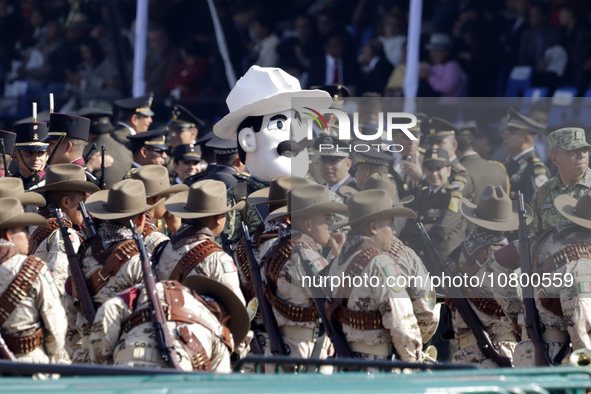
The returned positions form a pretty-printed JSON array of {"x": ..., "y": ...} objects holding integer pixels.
[{"x": 445, "y": 76}]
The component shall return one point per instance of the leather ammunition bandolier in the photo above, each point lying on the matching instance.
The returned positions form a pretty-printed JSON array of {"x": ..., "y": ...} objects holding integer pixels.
[
  {"x": 110, "y": 259},
  {"x": 337, "y": 310},
  {"x": 14, "y": 294},
  {"x": 274, "y": 261},
  {"x": 194, "y": 256},
  {"x": 175, "y": 311},
  {"x": 579, "y": 240},
  {"x": 41, "y": 233},
  {"x": 474, "y": 262},
  {"x": 259, "y": 237}
]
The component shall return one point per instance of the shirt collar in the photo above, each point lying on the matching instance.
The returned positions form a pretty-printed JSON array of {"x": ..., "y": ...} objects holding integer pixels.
[
  {"x": 523, "y": 153},
  {"x": 136, "y": 164},
  {"x": 585, "y": 181},
  {"x": 133, "y": 132},
  {"x": 436, "y": 190},
  {"x": 338, "y": 185},
  {"x": 178, "y": 180}
]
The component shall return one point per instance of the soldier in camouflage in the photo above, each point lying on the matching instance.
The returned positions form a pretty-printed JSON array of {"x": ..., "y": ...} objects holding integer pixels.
[
  {"x": 374, "y": 317},
  {"x": 570, "y": 154},
  {"x": 203, "y": 337},
  {"x": 32, "y": 319},
  {"x": 494, "y": 214},
  {"x": 111, "y": 262}
]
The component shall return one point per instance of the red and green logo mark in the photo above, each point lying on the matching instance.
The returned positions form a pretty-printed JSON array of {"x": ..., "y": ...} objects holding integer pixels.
[{"x": 316, "y": 118}]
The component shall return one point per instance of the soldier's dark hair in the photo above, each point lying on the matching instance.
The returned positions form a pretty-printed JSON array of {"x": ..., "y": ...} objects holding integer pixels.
[
  {"x": 465, "y": 142},
  {"x": 54, "y": 197},
  {"x": 255, "y": 122},
  {"x": 226, "y": 160}
]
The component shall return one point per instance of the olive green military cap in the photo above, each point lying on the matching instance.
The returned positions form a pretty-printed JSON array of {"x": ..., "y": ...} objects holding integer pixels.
[{"x": 569, "y": 138}]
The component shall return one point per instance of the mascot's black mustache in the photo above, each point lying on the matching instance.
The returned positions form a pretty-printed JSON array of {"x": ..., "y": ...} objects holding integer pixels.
[{"x": 291, "y": 149}]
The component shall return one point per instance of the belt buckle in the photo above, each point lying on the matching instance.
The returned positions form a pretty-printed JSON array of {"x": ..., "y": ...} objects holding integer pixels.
[{"x": 103, "y": 278}]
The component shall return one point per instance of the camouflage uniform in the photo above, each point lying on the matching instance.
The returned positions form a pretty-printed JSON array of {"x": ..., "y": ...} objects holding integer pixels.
[
  {"x": 129, "y": 275},
  {"x": 399, "y": 322},
  {"x": 217, "y": 266},
  {"x": 551, "y": 301},
  {"x": 111, "y": 344},
  {"x": 480, "y": 244},
  {"x": 53, "y": 251},
  {"x": 422, "y": 297},
  {"x": 39, "y": 309},
  {"x": 545, "y": 214},
  {"x": 300, "y": 336}
]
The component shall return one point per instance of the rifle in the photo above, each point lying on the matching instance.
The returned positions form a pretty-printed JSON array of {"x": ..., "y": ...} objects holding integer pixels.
[
  {"x": 269, "y": 320},
  {"x": 226, "y": 243},
  {"x": 102, "y": 183},
  {"x": 336, "y": 336},
  {"x": 5, "y": 353},
  {"x": 163, "y": 337},
  {"x": 82, "y": 291},
  {"x": 90, "y": 152},
  {"x": 91, "y": 232},
  {"x": 532, "y": 319},
  {"x": 4, "y": 157},
  {"x": 463, "y": 305}
]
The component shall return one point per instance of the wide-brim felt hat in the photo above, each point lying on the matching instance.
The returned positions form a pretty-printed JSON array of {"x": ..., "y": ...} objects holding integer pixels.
[
  {"x": 439, "y": 41},
  {"x": 468, "y": 210},
  {"x": 203, "y": 199},
  {"x": 308, "y": 200},
  {"x": 276, "y": 193},
  {"x": 13, "y": 187},
  {"x": 262, "y": 91},
  {"x": 67, "y": 178},
  {"x": 125, "y": 199},
  {"x": 156, "y": 181},
  {"x": 237, "y": 324},
  {"x": 370, "y": 205},
  {"x": 577, "y": 211},
  {"x": 12, "y": 215}
]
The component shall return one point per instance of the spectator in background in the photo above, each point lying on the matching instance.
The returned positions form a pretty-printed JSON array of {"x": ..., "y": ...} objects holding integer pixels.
[
  {"x": 161, "y": 60},
  {"x": 326, "y": 24},
  {"x": 296, "y": 52},
  {"x": 97, "y": 76},
  {"x": 264, "y": 52},
  {"x": 47, "y": 45},
  {"x": 444, "y": 74},
  {"x": 187, "y": 79},
  {"x": 335, "y": 67},
  {"x": 375, "y": 67},
  {"x": 393, "y": 38},
  {"x": 535, "y": 42},
  {"x": 577, "y": 42}
]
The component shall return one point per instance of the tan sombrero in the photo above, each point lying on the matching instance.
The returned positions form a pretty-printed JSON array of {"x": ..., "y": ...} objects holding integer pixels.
[
  {"x": 13, "y": 216},
  {"x": 577, "y": 211},
  {"x": 238, "y": 323},
  {"x": 156, "y": 181},
  {"x": 13, "y": 187},
  {"x": 307, "y": 200},
  {"x": 276, "y": 193},
  {"x": 370, "y": 205},
  {"x": 124, "y": 199},
  {"x": 67, "y": 178},
  {"x": 376, "y": 181},
  {"x": 204, "y": 198},
  {"x": 495, "y": 210}
]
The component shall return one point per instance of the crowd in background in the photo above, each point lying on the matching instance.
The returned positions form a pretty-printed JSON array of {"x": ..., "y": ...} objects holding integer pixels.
[{"x": 468, "y": 47}]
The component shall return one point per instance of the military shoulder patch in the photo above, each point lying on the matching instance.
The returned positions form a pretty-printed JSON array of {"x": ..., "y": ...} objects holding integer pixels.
[
  {"x": 392, "y": 278},
  {"x": 540, "y": 169},
  {"x": 318, "y": 265},
  {"x": 229, "y": 266},
  {"x": 454, "y": 203},
  {"x": 540, "y": 179},
  {"x": 421, "y": 150},
  {"x": 584, "y": 287}
]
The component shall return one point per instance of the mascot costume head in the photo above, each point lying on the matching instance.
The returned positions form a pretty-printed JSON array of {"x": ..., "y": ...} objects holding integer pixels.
[{"x": 262, "y": 120}]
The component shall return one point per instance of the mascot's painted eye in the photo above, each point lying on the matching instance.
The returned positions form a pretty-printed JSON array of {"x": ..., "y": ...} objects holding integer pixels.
[{"x": 277, "y": 125}]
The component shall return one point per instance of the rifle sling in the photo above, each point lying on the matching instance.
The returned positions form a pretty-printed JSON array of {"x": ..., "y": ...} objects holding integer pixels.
[
  {"x": 279, "y": 255},
  {"x": 192, "y": 258},
  {"x": 355, "y": 319}
]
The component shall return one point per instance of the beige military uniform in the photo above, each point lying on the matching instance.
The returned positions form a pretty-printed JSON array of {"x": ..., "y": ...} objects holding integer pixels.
[
  {"x": 294, "y": 310},
  {"x": 563, "y": 310},
  {"x": 53, "y": 251},
  {"x": 152, "y": 237},
  {"x": 130, "y": 274},
  {"x": 398, "y": 322},
  {"x": 39, "y": 309},
  {"x": 421, "y": 294},
  {"x": 480, "y": 245},
  {"x": 114, "y": 343},
  {"x": 218, "y": 265}
]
